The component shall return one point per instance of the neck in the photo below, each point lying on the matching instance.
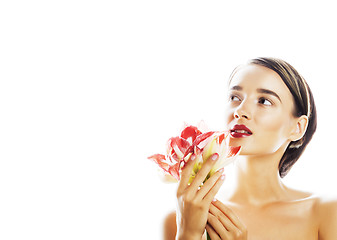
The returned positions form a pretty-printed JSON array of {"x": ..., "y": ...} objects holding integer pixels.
[{"x": 257, "y": 180}]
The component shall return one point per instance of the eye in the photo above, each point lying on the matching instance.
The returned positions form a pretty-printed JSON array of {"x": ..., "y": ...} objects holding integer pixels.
[
  {"x": 234, "y": 98},
  {"x": 265, "y": 101}
]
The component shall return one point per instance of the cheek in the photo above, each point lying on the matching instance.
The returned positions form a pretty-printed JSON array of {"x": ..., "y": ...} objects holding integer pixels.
[
  {"x": 270, "y": 122},
  {"x": 274, "y": 121},
  {"x": 274, "y": 128}
]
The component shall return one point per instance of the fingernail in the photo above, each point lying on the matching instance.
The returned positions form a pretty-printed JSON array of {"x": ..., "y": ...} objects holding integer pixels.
[
  {"x": 192, "y": 157},
  {"x": 215, "y": 156},
  {"x": 223, "y": 176},
  {"x": 214, "y": 200},
  {"x": 221, "y": 170}
]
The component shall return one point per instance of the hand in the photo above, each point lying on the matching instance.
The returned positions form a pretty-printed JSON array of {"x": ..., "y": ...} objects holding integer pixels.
[
  {"x": 222, "y": 223},
  {"x": 194, "y": 201}
]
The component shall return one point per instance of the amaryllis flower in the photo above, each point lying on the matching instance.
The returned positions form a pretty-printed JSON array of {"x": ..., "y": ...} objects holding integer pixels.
[
  {"x": 176, "y": 150},
  {"x": 202, "y": 145}
]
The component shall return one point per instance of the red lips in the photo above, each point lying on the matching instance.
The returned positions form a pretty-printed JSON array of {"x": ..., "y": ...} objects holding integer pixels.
[{"x": 240, "y": 131}]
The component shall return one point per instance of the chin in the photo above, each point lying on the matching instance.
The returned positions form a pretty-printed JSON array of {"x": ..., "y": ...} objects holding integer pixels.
[{"x": 236, "y": 142}]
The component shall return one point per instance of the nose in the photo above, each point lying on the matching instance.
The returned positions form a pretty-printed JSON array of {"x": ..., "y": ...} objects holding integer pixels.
[{"x": 242, "y": 112}]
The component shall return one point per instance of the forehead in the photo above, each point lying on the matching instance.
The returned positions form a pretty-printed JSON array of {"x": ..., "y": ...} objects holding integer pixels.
[{"x": 252, "y": 77}]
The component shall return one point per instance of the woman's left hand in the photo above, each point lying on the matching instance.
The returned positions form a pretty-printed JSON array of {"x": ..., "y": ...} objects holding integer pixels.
[{"x": 222, "y": 223}]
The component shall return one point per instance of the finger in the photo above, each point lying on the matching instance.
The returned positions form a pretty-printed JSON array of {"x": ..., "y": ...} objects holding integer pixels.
[
  {"x": 208, "y": 198},
  {"x": 217, "y": 227},
  {"x": 203, "y": 172},
  {"x": 229, "y": 213},
  {"x": 186, "y": 173},
  {"x": 212, "y": 233},
  {"x": 225, "y": 221},
  {"x": 209, "y": 184}
]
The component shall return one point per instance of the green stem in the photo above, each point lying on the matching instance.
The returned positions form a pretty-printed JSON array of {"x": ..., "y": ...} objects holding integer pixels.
[{"x": 208, "y": 237}]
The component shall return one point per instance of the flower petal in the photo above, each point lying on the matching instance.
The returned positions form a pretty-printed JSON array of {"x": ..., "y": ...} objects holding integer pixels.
[
  {"x": 199, "y": 144},
  {"x": 226, "y": 157},
  {"x": 174, "y": 171},
  {"x": 222, "y": 136},
  {"x": 176, "y": 148},
  {"x": 202, "y": 140},
  {"x": 211, "y": 147},
  {"x": 160, "y": 160},
  {"x": 190, "y": 132},
  {"x": 232, "y": 151}
]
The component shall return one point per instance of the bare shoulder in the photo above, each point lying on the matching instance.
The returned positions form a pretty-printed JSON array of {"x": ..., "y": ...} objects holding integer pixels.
[
  {"x": 308, "y": 200},
  {"x": 327, "y": 208},
  {"x": 169, "y": 226},
  {"x": 327, "y": 218},
  {"x": 302, "y": 195},
  {"x": 324, "y": 205}
]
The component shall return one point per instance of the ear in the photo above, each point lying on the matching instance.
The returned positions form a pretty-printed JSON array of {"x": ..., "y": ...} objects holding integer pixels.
[{"x": 300, "y": 128}]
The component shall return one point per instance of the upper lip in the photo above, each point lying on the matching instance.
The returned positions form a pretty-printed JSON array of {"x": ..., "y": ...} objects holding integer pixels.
[{"x": 241, "y": 127}]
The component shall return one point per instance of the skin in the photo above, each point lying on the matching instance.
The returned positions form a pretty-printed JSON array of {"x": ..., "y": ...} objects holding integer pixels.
[{"x": 259, "y": 206}]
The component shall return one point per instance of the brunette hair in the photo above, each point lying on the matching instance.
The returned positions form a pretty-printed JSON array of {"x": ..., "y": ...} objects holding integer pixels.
[{"x": 304, "y": 105}]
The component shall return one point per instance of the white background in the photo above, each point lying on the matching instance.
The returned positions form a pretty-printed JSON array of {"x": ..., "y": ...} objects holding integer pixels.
[{"x": 89, "y": 89}]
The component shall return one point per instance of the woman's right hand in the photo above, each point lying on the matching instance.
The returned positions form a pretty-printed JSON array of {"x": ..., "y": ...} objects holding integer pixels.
[{"x": 194, "y": 202}]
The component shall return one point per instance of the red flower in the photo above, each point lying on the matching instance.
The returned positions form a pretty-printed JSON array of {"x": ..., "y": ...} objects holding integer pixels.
[
  {"x": 176, "y": 150},
  {"x": 193, "y": 141}
]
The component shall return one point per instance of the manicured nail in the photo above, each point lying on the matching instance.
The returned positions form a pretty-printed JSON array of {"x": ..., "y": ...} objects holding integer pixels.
[
  {"x": 221, "y": 170},
  {"x": 215, "y": 156},
  {"x": 223, "y": 176}
]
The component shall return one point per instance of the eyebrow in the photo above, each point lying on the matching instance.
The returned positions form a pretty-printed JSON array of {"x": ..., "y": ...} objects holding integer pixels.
[
  {"x": 259, "y": 90},
  {"x": 238, "y": 88},
  {"x": 266, "y": 91}
]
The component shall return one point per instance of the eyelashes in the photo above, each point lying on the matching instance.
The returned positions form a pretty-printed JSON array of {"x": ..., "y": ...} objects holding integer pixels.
[
  {"x": 234, "y": 98},
  {"x": 261, "y": 100},
  {"x": 265, "y": 101}
]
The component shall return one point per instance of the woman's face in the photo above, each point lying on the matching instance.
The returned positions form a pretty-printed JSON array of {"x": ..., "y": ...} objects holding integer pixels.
[{"x": 259, "y": 111}]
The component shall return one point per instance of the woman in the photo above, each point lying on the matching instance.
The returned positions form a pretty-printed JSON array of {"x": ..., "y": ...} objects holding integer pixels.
[{"x": 271, "y": 114}]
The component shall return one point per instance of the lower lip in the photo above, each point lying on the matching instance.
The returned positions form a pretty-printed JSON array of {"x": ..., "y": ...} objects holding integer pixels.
[{"x": 239, "y": 135}]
